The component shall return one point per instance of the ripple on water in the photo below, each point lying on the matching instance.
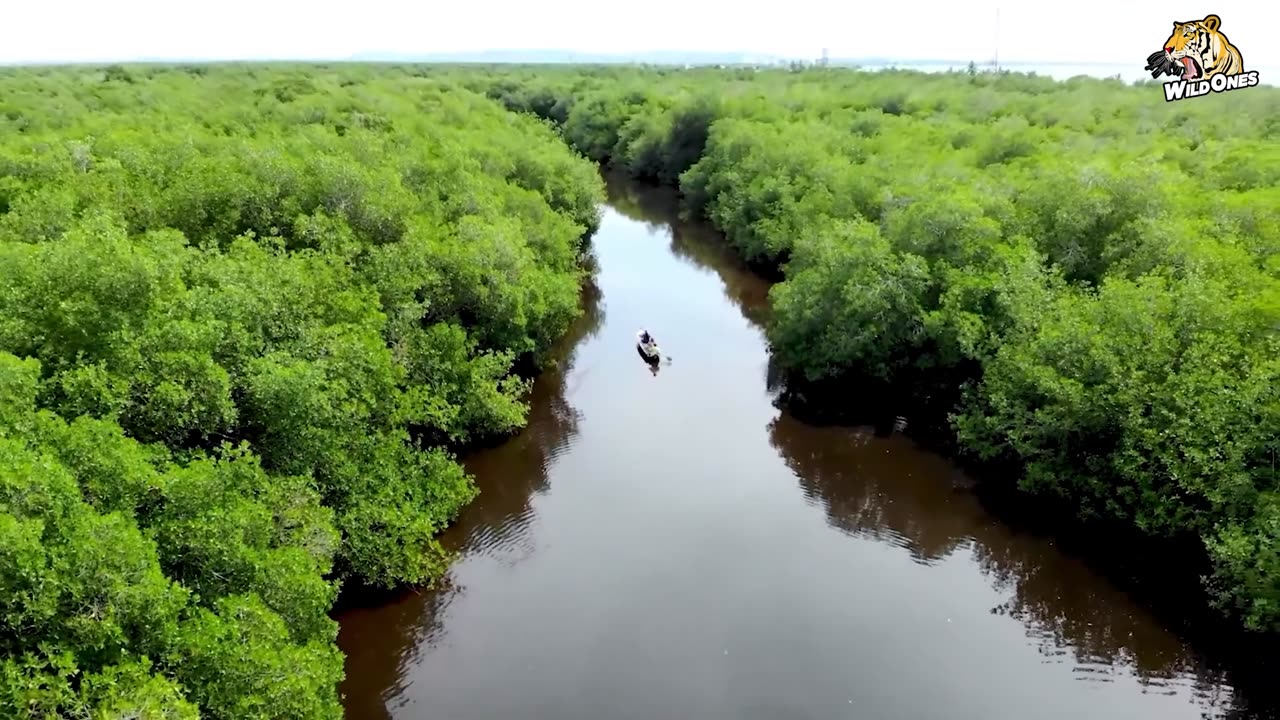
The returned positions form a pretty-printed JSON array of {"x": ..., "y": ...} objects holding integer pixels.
[
  {"x": 508, "y": 541},
  {"x": 541, "y": 645},
  {"x": 554, "y": 445}
]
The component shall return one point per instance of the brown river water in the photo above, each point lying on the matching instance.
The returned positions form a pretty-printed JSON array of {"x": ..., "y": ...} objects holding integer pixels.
[{"x": 670, "y": 545}]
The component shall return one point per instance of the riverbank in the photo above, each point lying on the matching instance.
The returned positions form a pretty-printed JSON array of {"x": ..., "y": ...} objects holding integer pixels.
[
  {"x": 249, "y": 312},
  {"x": 242, "y": 346},
  {"x": 969, "y": 245},
  {"x": 679, "y": 531},
  {"x": 1160, "y": 576}
]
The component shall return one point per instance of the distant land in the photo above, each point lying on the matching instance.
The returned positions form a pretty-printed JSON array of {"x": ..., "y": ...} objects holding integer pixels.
[
  {"x": 1127, "y": 71},
  {"x": 565, "y": 57},
  {"x": 671, "y": 57}
]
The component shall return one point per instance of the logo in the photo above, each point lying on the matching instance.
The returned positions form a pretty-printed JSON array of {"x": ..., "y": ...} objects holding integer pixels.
[{"x": 1204, "y": 59}]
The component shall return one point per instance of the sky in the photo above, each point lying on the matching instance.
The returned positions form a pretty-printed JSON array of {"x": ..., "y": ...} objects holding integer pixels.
[{"x": 41, "y": 31}]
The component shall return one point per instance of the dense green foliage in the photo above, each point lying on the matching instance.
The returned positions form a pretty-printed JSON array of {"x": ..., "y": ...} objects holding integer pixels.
[
  {"x": 248, "y": 313},
  {"x": 1084, "y": 278}
]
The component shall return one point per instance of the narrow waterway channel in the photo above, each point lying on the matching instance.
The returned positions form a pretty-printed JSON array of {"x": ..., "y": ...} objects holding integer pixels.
[{"x": 668, "y": 545}]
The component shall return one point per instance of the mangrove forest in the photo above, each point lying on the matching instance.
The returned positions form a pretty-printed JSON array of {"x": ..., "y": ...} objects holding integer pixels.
[{"x": 252, "y": 317}]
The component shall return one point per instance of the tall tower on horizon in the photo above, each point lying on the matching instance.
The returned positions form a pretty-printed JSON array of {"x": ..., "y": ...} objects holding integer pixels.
[
  {"x": 995, "y": 58},
  {"x": 826, "y": 57}
]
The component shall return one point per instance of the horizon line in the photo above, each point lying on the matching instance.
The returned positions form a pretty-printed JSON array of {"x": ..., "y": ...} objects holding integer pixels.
[{"x": 740, "y": 56}]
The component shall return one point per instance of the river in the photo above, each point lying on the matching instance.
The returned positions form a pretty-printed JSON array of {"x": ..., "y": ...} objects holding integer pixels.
[{"x": 670, "y": 545}]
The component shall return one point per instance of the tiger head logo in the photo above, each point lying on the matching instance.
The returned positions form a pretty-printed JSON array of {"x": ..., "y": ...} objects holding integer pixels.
[{"x": 1197, "y": 50}]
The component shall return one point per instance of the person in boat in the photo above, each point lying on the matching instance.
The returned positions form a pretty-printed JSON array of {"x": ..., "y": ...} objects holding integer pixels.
[{"x": 646, "y": 338}]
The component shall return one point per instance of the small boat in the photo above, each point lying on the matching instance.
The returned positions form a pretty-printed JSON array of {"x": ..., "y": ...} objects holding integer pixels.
[{"x": 649, "y": 351}]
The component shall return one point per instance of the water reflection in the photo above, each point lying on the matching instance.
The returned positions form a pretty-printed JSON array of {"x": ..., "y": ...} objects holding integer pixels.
[
  {"x": 703, "y": 247},
  {"x": 512, "y": 475},
  {"x": 697, "y": 243},
  {"x": 641, "y": 566},
  {"x": 653, "y": 207},
  {"x": 381, "y": 643},
  {"x": 866, "y": 488},
  {"x": 882, "y": 488}
]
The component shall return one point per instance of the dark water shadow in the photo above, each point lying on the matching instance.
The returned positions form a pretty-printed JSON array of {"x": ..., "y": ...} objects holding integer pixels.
[
  {"x": 884, "y": 488},
  {"x": 1079, "y": 600},
  {"x": 869, "y": 482},
  {"x": 384, "y": 633},
  {"x": 500, "y": 518},
  {"x": 699, "y": 243}
]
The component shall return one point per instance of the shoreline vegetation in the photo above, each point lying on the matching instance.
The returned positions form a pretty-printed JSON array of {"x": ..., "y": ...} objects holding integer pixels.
[
  {"x": 1073, "y": 282},
  {"x": 250, "y": 316},
  {"x": 252, "y": 313}
]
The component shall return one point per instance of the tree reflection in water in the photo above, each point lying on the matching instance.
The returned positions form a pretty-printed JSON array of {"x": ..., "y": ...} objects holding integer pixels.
[
  {"x": 384, "y": 641},
  {"x": 885, "y": 489},
  {"x": 867, "y": 485},
  {"x": 697, "y": 242},
  {"x": 511, "y": 475}
]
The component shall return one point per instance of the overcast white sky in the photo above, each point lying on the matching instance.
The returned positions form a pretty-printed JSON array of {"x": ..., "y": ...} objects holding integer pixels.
[{"x": 1030, "y": 30}]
